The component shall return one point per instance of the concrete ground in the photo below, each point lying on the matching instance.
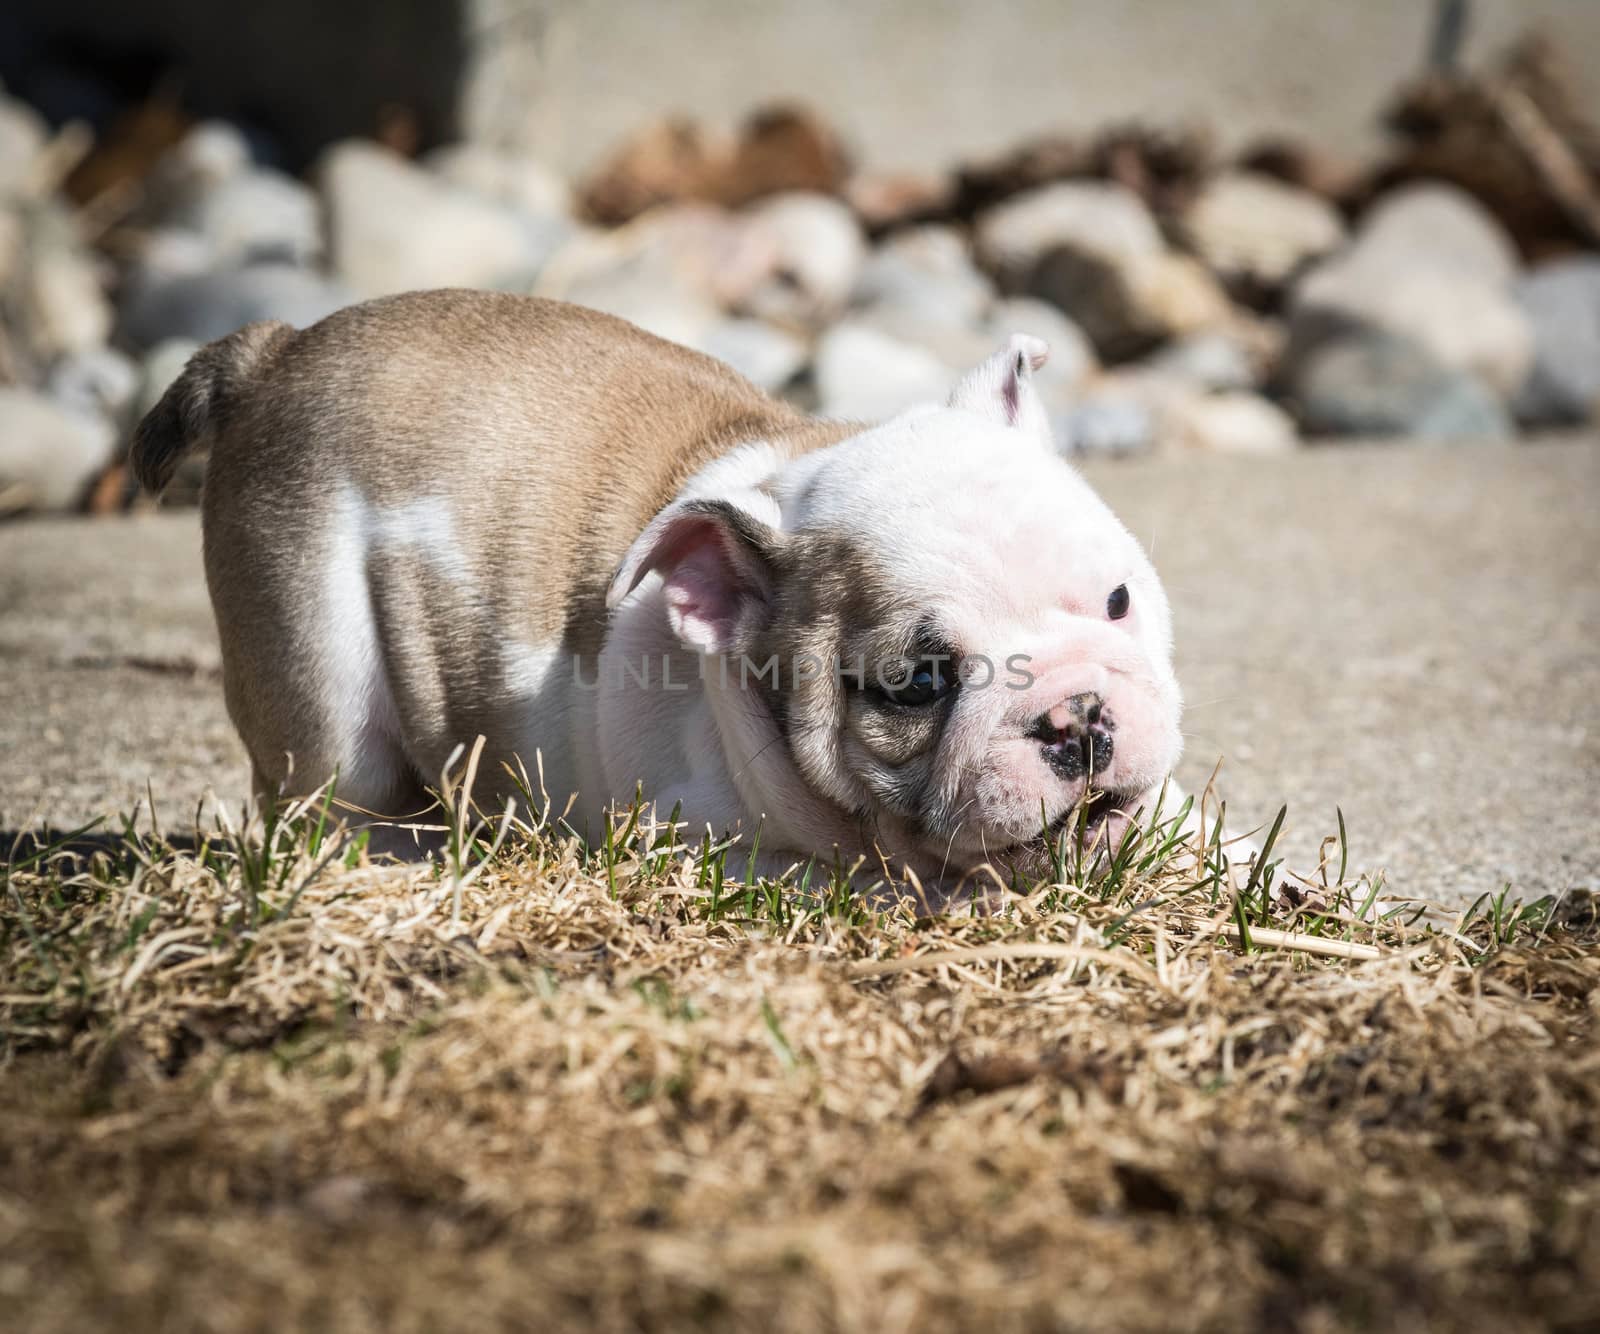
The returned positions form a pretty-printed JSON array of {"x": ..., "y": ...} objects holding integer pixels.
[{"x": 1412, "y": 635}]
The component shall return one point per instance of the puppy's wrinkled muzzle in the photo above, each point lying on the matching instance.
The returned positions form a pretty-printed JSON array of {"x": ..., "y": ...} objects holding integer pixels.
[{"x": 1076, "y": 736}]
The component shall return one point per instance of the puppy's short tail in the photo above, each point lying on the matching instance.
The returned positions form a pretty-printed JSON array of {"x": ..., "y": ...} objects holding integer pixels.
[{"x": 197, "y": 404}]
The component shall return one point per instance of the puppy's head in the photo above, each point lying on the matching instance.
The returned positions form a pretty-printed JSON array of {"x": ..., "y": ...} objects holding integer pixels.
[{"x": 954, "y": 638}]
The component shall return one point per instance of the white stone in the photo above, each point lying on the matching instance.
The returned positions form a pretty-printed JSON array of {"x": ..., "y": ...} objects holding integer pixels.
[
  {"x": 67, "y": 308},
  {"x": 12, "y": 242},
  {"x": 255, "y": 213},
  {"x": 507, "y": 178},
  {"x": 1252, "y": 228},
  {"x": 395, "y": 227},
  {"x": 1443, "y": 227},
  {"x": 1211, "y": 361},
  {"x": 1173, "y": 295},
  {"x": 94, "y": 381},
  {"x": 1465, "y": 324},
  {"x": 23, "y": 134},
  {"x": 764, "y": 355},
  {"x": 48, "y": 454},
  {"x": 1228, "y": 423},
  {"x": 1092, "y": 218},
  {"x": 863, "y": 374},
  {"x": 924, "y": 276},
  {"x": 818, "y": 253},
  {"x": 1428, "y": 264},
  {"x": 209, "y": 305},
  {"x": 636, "y": 274},
  {"x": 212, "y": 152},
  {"x": 1562, "y": 302}
]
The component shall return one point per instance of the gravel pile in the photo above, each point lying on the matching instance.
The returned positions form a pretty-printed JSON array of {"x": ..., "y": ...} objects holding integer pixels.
[{"x": 1193, "y": 303}]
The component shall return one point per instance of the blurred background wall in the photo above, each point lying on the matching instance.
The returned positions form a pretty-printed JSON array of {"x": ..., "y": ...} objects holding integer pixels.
[
  {"x": 918, "y": 83},
  {"x": 911, "y": 83}
]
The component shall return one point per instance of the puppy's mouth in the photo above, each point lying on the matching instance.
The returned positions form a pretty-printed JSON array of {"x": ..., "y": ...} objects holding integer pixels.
[{"x": 1098, "y": 814}]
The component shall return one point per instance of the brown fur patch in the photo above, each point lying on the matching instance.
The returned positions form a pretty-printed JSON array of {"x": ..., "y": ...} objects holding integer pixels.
[{"x": 550, "y": 435}]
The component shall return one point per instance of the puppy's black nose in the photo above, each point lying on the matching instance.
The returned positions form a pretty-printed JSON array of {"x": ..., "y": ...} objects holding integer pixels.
[{"x": 1076, "y": 736}]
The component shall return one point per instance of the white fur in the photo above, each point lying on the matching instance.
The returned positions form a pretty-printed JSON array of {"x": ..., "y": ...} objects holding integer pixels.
[
  {"x": 357, "y": 700},
  {"x": 542, "y": 681},
  {"x": 423, "y": 528}
]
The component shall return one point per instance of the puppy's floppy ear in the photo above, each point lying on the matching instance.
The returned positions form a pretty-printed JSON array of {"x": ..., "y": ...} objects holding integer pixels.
[
  {"x": 716, "y": 563},
  {"x": 1002, "y": 388}
]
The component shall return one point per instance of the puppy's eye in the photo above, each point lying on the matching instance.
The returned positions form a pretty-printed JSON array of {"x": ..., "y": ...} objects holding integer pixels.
[
  {"x": 1117, "y": 603},
  {"x": 915, "y": 685}
]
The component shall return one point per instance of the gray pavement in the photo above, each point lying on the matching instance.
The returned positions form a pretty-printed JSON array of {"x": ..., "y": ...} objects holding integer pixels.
[{"x": 1413, "y": 635}]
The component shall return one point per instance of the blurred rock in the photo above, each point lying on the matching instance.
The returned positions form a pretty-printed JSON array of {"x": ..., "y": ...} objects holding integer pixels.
[
  {"x": 49, "y": 455},
  {"x": 165, "y": 253},
  {"x": 125, "y": 152},
  {"x": 161, "y": 365},
  {"x": 63, "y": 301},
  {"x": 1521, "y": 137},
  {"x": 920, "y": 287},
  {"x": 1229, "y": 423},
  {"x": 782, "y": 149},
  {"x": 818, "y": 253},
  {"x": 659, "y": 299},
  {"x": 779, "y": 149},
  {"x": 669, "y": 161},
  {"x": 1377, "y": 384},
  {"x": 394, "y": 227},
  {"x": 1128, "y": 305},
  {"x": 1127, "y": 410},
  {"x": 1172, "y": 295},
  {"x": 865, "y": 375},
  {"x": 1163, "y": 165},
  {"x": 95, "y": 382},
  {"x": 209, "y": 153},
  {"x": 1303, "y": 165},
  {"x": 13, "y": 240},
  {"x": 1087, "y": 218},
  {"x": 924, "y": 275},
  {"x": 675, "y": 271},
  {"x": 1107, "y": 423},
  {"x": 23, "y": 135},
  {"x": 1443, "y": 227},
  {"x": 1562, "y": 302},
  {"x": 212, "y": 304},
  {"x": 1038, "y": 162},
  {"x": 1429, "y": 265},
  {"x": 888, "y": 201},
  {"x": 255, "y": 214},
  {"x": 1255, "y": 232},
  {"x": 1094, "y": 250},
  {"x": 766, "y": 356},
  {"x": 1464, "y": 326},
  {"x": 1214, "y": 362},
  {"x": 517, "y": 182}
]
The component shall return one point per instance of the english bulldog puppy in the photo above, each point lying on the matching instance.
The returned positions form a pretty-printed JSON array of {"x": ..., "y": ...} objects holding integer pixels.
[{"x": 922, "y": 646}]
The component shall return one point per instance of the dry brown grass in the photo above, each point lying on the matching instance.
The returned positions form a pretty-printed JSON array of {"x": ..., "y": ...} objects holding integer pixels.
[{"x": 600, "y": 1093}]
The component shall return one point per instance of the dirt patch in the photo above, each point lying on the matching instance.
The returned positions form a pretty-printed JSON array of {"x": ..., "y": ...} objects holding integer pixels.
[{"x": 265, "y": 1085}]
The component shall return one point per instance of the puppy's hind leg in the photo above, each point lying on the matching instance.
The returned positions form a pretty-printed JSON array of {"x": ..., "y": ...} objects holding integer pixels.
[{"x": 307, "y": 688}]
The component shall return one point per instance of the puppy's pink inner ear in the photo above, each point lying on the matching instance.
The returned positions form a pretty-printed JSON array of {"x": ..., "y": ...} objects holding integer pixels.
[
  {"x": 705, "y": 597},
  {"x": 715, "y": 565},
  {"x": 1011, "y": 391}
]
